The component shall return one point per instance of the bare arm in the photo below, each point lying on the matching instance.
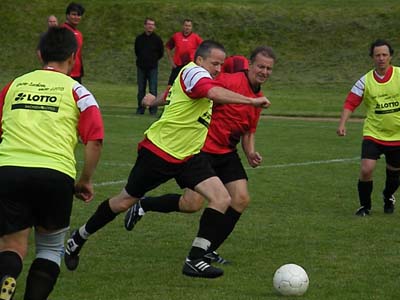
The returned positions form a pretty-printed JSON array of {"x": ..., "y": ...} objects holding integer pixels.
[
  {"x": 84, "y": 187},
  {"x": 346, "y": 113},
  {"x": 254, "y": 158},
  {"x": 223, "y": 96}
]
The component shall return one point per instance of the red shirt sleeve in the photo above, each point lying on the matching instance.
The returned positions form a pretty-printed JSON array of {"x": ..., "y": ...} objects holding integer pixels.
[
  {"x": 2, "y": 98},
  {"x": 90, "y": 125},
  {"x": 200, "y": 90},
  {"x": 352, "y": 101}
]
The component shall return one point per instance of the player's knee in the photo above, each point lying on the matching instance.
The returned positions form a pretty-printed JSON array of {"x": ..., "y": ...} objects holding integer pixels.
[
  {"x": 50, "y": 246},
  {"x": 240, "y": 202},
  {"x": 191, "y": 205}
]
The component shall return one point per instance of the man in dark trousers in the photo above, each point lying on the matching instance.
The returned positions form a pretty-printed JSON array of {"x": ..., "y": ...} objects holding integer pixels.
[{"x": 149, "y": 49}]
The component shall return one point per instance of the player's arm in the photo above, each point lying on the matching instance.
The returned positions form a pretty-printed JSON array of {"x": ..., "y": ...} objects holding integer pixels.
[
  {"x": 91, "y": 132},
  {"x": 253, "y": 157},
  {"x": 151, "y": 100},
  {"x": 223, "y": 96},
  {"x": 84, "y": 187}
]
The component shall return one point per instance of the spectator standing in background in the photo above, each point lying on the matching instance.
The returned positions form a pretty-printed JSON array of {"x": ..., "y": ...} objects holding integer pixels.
[
  {"x": 149, "y": 49},
  {"x": 52, "y": 21},
  {"x": 184, "y": 44},
  {"x": 74, "y": 13}
]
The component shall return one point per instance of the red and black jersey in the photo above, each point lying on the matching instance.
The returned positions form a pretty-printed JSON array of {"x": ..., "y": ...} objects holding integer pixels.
[{"x": 230, "y": 121}]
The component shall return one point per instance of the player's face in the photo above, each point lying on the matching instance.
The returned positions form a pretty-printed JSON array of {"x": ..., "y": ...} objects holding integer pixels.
[
  {"x": 187, "y": 28},
  {"x": 149, "y": 26},
  {"x": 213, "y": 62},
  {"x": 382, "y": 58},
  {"x": 74, "y": 18},
  {"x": 260, "y": 69}
]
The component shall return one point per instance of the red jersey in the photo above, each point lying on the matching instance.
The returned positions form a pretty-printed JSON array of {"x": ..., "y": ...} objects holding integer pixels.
[
  {"x": 185, "y": 47},
  {"x": 77, "y": 70},
  {"x": 235, "y": 63},
  {"x": 230, "y": 121}
]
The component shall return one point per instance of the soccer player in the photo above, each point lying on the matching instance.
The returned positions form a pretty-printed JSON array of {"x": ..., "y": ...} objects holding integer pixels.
[
  {"x": 171, "y": 149},
  {"x": 74, "y": 13},
  {"x": 229, "y": 125},
  {"x": 379, "y": 90},
  {"x": 42, "y": 114},
  {"x": 183, "y": 44}
]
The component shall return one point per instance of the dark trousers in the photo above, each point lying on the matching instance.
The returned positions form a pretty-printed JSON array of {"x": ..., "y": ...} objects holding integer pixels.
[{"x": 144, "y": 76}]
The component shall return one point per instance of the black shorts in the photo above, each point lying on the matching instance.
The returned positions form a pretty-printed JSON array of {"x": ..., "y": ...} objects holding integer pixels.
[
  {"x": 372, "y": 150},
  {"x": 34, "y": 196},
  {"x": 228, "y": 167},
  {"x": 150, "y": 171}
]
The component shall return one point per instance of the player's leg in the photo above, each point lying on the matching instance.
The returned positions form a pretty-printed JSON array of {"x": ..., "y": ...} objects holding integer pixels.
[
  {"x": 210, "y": 228},
  {"x": 392, "y": 179},
  {"x": 189, "y": 202},
  {"x": 153, "y": 82},
  {"x": 141, "y": 89},
  {"x": 13, "y": 249},
  {"x": 45, "y": 268},
  {"x": 144, "y": 176},
  {"x": 240, "y": 200},
  {"x": 105, "y": 213},
  {"x": 370, "y": 153}
]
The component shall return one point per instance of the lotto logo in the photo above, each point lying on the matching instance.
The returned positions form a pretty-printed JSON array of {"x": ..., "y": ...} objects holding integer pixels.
[{"x": 35, "y": 98}]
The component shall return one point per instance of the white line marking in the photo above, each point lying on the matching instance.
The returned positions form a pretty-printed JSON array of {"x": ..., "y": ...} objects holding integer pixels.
[{"x": 307, "y": 163}]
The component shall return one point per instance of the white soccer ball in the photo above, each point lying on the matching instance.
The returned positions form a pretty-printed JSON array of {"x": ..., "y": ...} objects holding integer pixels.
[{"x": 291, "y": 280}]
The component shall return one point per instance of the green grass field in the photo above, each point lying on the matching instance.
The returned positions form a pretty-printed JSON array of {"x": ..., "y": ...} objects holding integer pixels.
[
  {"x": 302, "y": 211},
  {"x": 303, "y": 197}
]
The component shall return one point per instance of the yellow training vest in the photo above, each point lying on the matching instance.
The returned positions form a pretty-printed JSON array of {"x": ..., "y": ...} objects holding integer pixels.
[
  {"x": 182, "y": 128},
  {"x": 382, "y": 101},
  {"x": 39, "y": 122}
]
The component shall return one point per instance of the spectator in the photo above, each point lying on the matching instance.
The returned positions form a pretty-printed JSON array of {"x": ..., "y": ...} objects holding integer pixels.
[
  {"x": 52, "y": 21},
  {"x": 149, "y": 49},
  {"x": 184, "y": 44}
]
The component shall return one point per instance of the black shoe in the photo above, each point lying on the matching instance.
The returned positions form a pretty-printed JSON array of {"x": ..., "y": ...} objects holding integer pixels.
[
  {"x": 388, "y": 207},
  {"x": 200, "y": 268},
  {"x": 7, "y": 287},
  {"x": 74, "y": 245},
  {"x": 133, "y": 215},
  {"x": 140, "y": 111},
  {"x": 213, "y": 256},
  {"x": 362, "y": 211}
]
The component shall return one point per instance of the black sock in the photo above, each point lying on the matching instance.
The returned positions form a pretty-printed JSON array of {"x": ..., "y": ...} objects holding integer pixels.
[
  {"x": 164, "y": 203},
  {"x": 364, "y": 193},
  {"x": 10, "y": 264},
  {"x": 231, "y": 218},
  {"x": 210, "y": 230},
  {"x": 100, "y": 218},
  {"x": 41, "y": 279},
  {"x": 392, "y": 183}
]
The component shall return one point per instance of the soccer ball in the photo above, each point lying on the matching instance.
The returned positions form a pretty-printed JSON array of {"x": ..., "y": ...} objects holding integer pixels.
[{"x": 291, "y": 280}]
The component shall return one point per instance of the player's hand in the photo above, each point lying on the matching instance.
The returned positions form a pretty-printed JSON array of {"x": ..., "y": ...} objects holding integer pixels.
[
  {"x": 84, "y": 191},
  {"x": 261, "y": 102},
  {"x": 148, "y": 100},
  {"x": 254, "y": 159},
  {"x": 341, "y": 131}
]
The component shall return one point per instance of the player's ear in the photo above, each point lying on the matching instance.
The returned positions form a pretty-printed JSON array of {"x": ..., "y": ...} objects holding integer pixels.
[{"x": 199, "y": 60}]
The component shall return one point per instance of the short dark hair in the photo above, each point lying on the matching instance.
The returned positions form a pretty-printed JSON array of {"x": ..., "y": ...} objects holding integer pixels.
[
  {"x": 148, "y": 19},
  {"x": 73, "y": 6},
  {"x": 378, "y": 43},
  {"x": 57, "y": 45},
  {"x": 187, "y": 20},
  {"x": 205, "y": 48},
  {"x": 264, "y": 51}
]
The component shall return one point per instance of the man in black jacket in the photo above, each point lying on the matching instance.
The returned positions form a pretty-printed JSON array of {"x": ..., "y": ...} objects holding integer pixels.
[{"x": 149, "y": 49}]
